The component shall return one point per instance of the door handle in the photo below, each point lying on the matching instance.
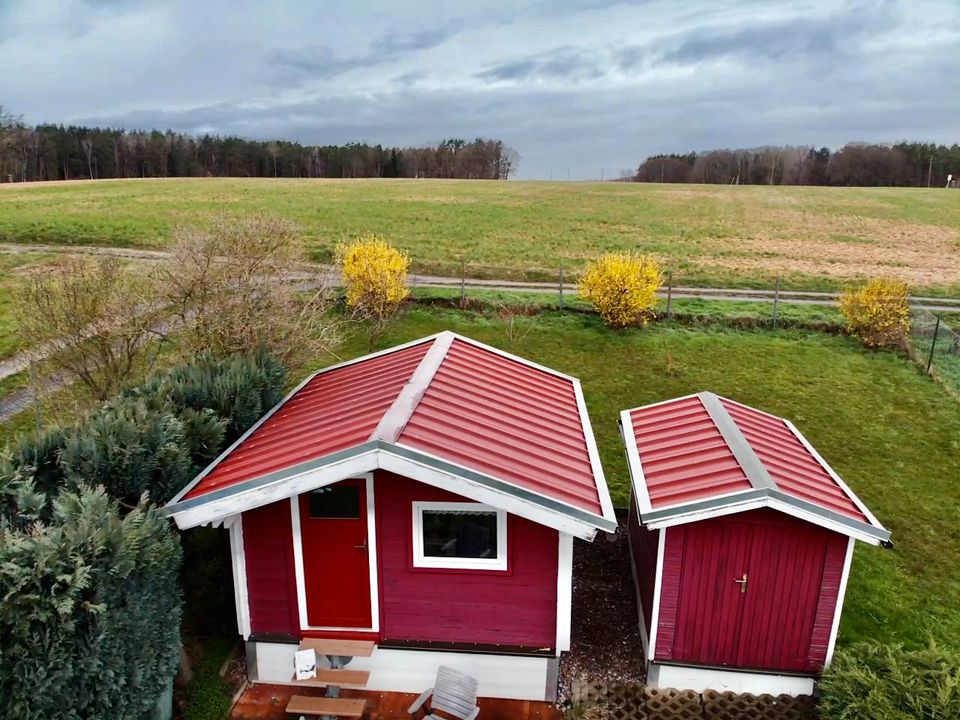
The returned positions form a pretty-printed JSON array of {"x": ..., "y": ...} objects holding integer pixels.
[
  {"x": 362, "y": 546},
  {"x": 743, "y": 583}
]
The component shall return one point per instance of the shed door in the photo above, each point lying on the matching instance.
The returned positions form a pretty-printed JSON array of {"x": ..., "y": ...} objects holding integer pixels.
[
  {"x": 765, "y": 623},
  {"x": 780, "y": 605},
  {"x": 336, "y": 555},
  {"x": 710, "y": 611}
]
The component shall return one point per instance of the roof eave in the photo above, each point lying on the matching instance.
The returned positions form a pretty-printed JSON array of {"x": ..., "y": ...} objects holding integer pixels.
[{"x": 382, "y": 455}]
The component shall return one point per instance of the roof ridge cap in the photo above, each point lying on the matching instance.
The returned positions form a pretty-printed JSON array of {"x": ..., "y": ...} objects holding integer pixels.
[
  {"x": 754, "y": 469},
  {"x": 397, "y": 416}
]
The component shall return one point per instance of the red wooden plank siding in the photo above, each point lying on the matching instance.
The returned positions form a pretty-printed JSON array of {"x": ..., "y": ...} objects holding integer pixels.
[
  {"x": 783, "y": 621},
  {"x": 271, "y": 581},
  {"x": 827, "y": 602},
  {"x": 513, "y": 608},
  {"x": 643, "y": 546},
  {"x": 669, "y": 592}
]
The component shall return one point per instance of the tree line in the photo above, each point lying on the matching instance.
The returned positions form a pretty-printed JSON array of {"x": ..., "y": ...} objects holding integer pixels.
[
  {"x": 904, "y": 164},
  {"x": 57, "y": 152}
]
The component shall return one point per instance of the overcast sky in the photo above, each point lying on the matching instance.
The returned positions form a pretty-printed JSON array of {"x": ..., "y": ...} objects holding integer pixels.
[{"x": 585, "y": 86}]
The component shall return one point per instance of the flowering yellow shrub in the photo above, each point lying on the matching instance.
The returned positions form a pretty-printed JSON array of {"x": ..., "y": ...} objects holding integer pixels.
[
  {"x": 622, "y": 287},
  {"x": 878, "y": 313},
  {"x": 375, "y": 276}
]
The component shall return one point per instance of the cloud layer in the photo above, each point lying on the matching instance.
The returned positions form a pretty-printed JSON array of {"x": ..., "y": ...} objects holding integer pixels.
[{"x": 585, "y": 87}]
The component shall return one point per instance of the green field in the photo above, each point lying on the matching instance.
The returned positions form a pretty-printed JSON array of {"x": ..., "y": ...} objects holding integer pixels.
[{"x": 705, "y": 234}]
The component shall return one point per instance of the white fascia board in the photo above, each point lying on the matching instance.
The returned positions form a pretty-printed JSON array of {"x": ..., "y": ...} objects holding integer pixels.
[
  {"x": 564, "y": 591},
  {"x": 603, "y": 492},
  {"x": 634, "y": 466},
  {"x": 661, "y": 402},
  {"x": 280, "y": 489},
  {"x": 823, "y": 522},
  {"x": 841, "y": 593},
  {"x": 430, "y": 475},
  {"x": 836, "y": 478}
]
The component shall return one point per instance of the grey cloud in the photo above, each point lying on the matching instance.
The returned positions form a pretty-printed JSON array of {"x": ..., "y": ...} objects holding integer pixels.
[
  {"x": 392, "y": 45},
  {"x": 567, "y": 63}
]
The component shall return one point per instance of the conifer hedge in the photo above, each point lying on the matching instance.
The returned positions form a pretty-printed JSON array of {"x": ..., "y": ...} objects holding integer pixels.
[{"x": 90, "y": 597}]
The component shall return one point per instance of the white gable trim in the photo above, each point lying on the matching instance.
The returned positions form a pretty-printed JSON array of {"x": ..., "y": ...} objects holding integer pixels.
[
  {"x": 657, "y": 589},
  {"x": 414, "y": 464},
  {"x": 603, "y": 493},
  {"x": 634, "y": 466}
]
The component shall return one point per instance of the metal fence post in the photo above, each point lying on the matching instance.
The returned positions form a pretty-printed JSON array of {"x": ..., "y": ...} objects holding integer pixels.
[
  {"x": 561, "y": 286},
  {"x": 776, "y": 303},
  {"x": 669, "y": 294},
  {"x": 933, "y": 344}
]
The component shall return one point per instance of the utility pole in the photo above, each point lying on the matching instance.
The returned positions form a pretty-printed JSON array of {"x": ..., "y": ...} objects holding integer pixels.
[{"x": 930, "y": 171}]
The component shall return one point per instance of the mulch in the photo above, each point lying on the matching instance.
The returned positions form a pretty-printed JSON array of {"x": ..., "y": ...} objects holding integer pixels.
[{"x": 605, "y": 643}]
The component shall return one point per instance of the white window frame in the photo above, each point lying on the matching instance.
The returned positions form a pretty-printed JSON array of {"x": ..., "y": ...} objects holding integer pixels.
[{"x": 453, "y": 563}]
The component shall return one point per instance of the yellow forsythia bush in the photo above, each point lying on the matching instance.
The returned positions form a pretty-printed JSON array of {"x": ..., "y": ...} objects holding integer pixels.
[
  {"x": 878, "y": 313},
  {"x": 374, "y": 274},
  {"x": 622, "y": 287}
]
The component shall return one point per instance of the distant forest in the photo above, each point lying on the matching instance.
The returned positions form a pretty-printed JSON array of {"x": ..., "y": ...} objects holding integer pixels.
[
  {"x": 55, "y": 152},
  {"x": 905, "y": 164}
]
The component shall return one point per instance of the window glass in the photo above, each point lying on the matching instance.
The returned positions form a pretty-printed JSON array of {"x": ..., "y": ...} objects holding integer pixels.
[
  {"x": 336, "y": 502},
  {"x": 459, "y": 534}
]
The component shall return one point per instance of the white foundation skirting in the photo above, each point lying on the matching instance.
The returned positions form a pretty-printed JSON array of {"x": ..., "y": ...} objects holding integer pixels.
[
  {"x": 413, "y": 671},
  {"x": 699, "y": 679}
]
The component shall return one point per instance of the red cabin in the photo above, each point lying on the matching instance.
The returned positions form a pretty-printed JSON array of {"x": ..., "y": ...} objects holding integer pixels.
[
  {"x": 742, "y": 538},
  {"x": 424, "y": 498}
]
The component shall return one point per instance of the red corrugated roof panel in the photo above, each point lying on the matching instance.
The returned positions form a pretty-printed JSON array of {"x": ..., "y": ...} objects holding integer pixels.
[
  {"x": 335, "y": 410},
  {"x": 448, "y": 397},
  {"x": 684, "y": 455},
  {"x": 791, "y": 465},
  {"x": 715, "y": 452},
  {"x": 506, "y": 418}
]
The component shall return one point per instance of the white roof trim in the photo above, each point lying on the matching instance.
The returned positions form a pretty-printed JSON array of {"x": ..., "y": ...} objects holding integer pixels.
[
  {"x": 634, "y": 466},
  {"x": 397, "y": 416},
  {"x": 603, "y": 493},
  {"x": 515, "y": 358}
]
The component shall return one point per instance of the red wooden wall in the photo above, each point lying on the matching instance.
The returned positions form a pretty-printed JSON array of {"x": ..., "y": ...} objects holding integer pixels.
[
  {"x": 271, "y": 582},
  {"x": 782, "y": 622},
  {"x": 513, "y": 608},
  {"x": 643, "y": 547}
]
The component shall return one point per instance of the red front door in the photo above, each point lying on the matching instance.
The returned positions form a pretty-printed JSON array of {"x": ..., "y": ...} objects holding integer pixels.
[{"x": 336, "y": 557}]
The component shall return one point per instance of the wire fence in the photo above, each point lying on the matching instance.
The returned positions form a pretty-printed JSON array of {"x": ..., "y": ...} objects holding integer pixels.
[{"x": 937, "y": 345}]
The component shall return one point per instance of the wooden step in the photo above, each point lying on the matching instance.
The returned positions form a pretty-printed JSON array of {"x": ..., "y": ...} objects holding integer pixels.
[
  {"x": 343, "y": 648},
  {"x": 337, "y": 677},
  {"x": 337, "y": 707}
]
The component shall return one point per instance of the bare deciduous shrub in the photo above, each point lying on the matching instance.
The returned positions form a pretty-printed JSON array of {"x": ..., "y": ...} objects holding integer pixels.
[
  {"x": 622, "y": 287},
  {"x": 878, "y": 313},
  {"x": 239, "y": 285},
  {"x": 90, "y": 319}
]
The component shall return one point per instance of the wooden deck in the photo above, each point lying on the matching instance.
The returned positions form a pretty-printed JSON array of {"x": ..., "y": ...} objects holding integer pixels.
[{"x": 267, "y": 702}]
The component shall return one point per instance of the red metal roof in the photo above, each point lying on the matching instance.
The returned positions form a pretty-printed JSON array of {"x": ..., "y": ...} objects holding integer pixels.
[
  {"x": 502, "y": 417},
  {"x": 332, "y": 411},
  {"x": 704, "y": 451},
  {"x": 448, "y": 397}
]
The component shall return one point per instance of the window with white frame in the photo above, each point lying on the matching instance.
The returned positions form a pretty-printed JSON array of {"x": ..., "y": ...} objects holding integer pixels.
[{"x": 459, "y": 535}]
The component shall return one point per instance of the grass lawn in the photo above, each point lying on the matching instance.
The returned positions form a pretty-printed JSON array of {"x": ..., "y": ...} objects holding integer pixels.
[
  {"x": 12, "y": 266},
  {"x": 890, "y": 432},
  {"x": 706, "y": 234}
]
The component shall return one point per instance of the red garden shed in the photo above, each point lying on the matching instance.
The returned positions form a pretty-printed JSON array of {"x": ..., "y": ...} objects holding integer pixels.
[
  {"x": 741, "y": 537},
  {"x": 423, "y": 499}
]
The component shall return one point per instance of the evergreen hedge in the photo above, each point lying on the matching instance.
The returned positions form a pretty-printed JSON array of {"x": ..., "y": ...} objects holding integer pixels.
[
  {"x": 90, "y": 599},
  {"x": 89, "y": 606},
  {"x": 871, "y": 681}
]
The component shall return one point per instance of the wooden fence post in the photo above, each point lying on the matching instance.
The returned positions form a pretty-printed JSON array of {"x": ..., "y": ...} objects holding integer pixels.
[
  {"x": 776, "y": 302},
  {"x": 933, "y": 344},
  {"x": 463, "y": 284},
  {"x": 669, "y": 294},
  {"x": 561, "y": 286}
]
